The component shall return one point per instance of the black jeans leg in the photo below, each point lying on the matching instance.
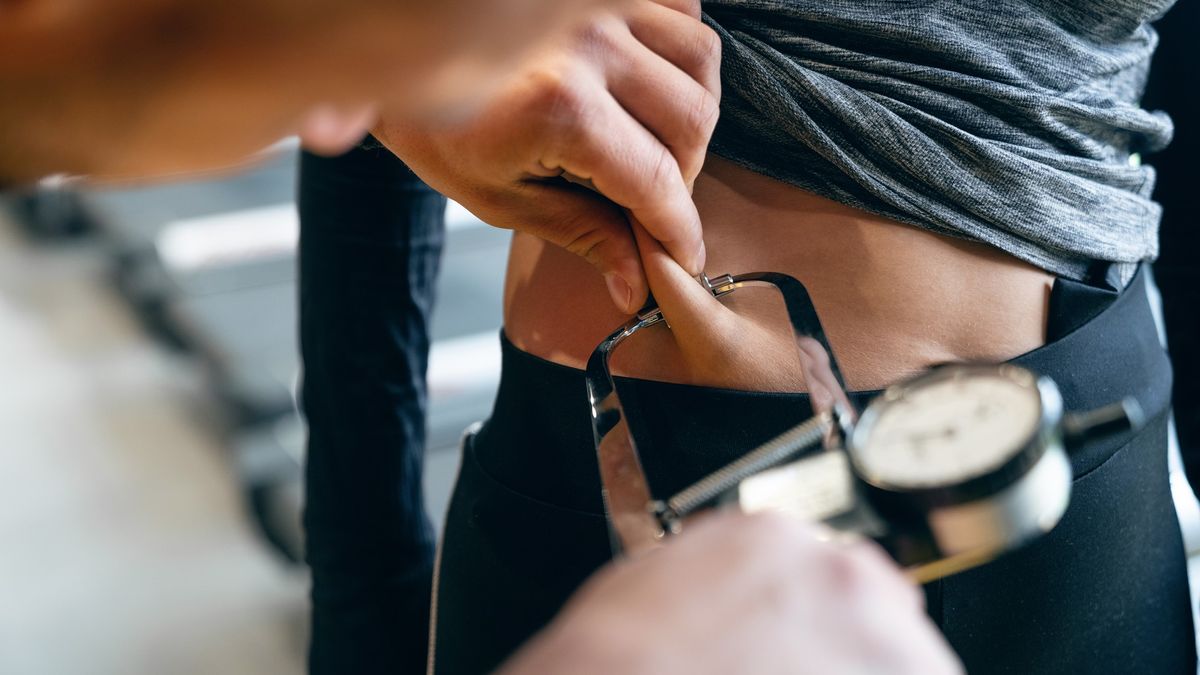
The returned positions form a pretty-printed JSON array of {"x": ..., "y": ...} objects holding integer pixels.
[{"x": 370, "y": 246}]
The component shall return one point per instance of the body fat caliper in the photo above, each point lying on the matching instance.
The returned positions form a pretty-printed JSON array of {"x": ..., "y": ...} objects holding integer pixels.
[{"x": 946, "y": 470}]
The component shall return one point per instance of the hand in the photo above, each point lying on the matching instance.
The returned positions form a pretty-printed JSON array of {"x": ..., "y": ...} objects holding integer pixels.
[
  {"x": 160, "y": 88},
  {"x": 625, "y": 106},
  {"x": 743, "y": 594}
]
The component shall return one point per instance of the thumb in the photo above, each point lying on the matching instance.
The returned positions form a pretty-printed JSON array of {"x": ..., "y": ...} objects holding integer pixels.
[{"x": 595, "y": 229}]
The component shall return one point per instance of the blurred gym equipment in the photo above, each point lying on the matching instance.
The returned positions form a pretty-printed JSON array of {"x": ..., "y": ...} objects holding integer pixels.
[{"x": 209, "y": 268}]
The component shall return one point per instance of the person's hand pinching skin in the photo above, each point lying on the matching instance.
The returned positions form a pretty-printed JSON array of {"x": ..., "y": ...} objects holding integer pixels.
[{"x": 609, "y": 124}]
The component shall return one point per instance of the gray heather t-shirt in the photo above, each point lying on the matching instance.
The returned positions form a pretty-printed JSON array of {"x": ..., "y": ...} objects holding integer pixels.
[{"x": 1013, "y": 123}]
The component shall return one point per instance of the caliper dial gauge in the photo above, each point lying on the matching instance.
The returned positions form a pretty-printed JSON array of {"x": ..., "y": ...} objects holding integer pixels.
[
  {"x": 950, "y": 428},
  {"x": 966, "y": 461},
  {"x": 946, "y": 470}
]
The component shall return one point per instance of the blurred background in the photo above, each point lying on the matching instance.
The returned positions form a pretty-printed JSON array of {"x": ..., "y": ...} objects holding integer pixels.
[{"x": 150, "y": 449}]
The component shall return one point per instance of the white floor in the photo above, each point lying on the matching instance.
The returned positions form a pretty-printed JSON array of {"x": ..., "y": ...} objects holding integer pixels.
[{"x": 123, "y": 548}]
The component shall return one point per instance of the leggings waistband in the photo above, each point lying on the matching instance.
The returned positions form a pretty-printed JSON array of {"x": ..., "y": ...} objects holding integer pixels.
[{"x": 1101, "y": 346}]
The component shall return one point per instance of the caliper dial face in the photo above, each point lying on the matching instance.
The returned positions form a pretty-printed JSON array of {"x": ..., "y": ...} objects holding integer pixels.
[{"x": 946, "y": 431}]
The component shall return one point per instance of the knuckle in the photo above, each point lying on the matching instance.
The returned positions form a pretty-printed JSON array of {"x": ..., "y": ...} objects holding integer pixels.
[
  {"x": 662, "y": 171},
  {"x": 600, "y": 33},
  {"x": 585, "y": 245},
  {"x": 590, "y": 31},
  {"x": 691, "y": 7},
  {"x": 703, "y": 53},
  {"x": 701, "y": 118},
  {"x": 558, "y": 98},
  {"x": 549, "y": 89},
  {"x": 708, "y": 47},
  {"x": 852, "y": 570},
  {"x": 583, "y": 238}
]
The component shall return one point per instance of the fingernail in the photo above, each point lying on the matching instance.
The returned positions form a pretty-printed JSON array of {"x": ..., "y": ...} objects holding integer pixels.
[
  {"x": 701, "y": 257},
  {"x": 621, "y": 292}
]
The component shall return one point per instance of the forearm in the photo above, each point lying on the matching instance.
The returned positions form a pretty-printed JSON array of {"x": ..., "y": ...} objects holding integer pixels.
[{"x": 132, "y": 88}]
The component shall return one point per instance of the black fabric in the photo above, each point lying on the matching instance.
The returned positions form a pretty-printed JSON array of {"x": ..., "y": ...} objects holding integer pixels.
[
  {"x": 370, "y": 244},
  {"x": 1105, "y": 592},
  {"x": 1173, "y": 87}
]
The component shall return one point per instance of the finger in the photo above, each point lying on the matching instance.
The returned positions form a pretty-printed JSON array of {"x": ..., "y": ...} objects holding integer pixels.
[
  {"x": 681, "y": 39},
  {"x": 675, "y": 108},
  {"x": 688, "y": 7},
  {"x": 627, "y": 164},
  {"x": 330, "y": 130},
  {"x": 587, "y": 225},
  {"x": 689, "y": 309}
]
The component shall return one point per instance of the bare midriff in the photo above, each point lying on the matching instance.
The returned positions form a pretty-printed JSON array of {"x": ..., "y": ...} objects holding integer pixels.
[{"x": 894, "y": 299}]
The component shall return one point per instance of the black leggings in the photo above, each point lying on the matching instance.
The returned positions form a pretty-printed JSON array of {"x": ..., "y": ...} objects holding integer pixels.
[{"x": 1106, "y": 591}]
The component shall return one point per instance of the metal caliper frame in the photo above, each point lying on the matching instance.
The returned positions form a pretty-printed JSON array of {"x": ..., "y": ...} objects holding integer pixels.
[{"x": 636, "y": 521}]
